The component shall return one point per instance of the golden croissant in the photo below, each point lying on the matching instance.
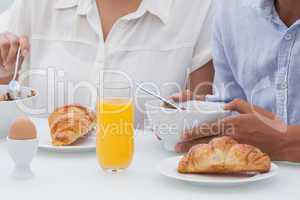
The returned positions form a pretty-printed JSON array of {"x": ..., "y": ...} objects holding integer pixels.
[
  {"x": 224, "y": 155},
  {"x": 69, "y": 123}
]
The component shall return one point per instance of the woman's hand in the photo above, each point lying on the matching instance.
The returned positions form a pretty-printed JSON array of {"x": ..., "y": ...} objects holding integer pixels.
[
  {"x": 9, "y": 44},
  {"x": 254, "y": 126}
]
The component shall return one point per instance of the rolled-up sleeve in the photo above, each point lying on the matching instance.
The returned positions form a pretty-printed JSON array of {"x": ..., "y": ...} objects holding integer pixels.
[
  {"x": 202, "y": 50},
  {"x": 225, "y": 87}
]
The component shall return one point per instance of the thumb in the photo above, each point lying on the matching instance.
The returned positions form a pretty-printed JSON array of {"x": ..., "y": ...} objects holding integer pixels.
[
  {"x": 24, "y": 45},
  {"x": 187, "y": 96},
  {"x": 244, "y": 107},
  {"x": 182, "y": 97},
  {"x": 239, "y": 105}
]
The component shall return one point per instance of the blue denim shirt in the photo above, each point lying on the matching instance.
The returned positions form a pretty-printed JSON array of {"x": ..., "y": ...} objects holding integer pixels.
[{"x": 257, "y": 57}]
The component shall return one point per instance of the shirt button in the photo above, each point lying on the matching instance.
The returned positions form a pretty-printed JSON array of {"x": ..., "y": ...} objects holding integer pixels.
[
  {"x": 282, "y": 86},
  {"x": 288, "y": 36}
]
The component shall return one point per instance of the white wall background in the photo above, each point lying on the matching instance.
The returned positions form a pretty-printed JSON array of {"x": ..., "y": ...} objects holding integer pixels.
[{"x": 4, "y": 4}]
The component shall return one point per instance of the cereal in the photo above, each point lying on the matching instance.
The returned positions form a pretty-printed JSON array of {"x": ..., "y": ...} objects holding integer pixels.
[{"x": 7, "y": 97}]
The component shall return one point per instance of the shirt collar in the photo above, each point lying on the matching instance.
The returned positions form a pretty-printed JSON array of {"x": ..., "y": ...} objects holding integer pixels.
[
  {"x": 159, "y": 8},
  {"x": 264, "y": 6},
  {"x": 83, "y": 6}
]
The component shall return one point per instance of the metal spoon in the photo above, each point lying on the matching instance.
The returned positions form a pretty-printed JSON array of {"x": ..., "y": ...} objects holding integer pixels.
[
  {"x": 167, "y": 102},
  {"x": 14, "y": 88}
]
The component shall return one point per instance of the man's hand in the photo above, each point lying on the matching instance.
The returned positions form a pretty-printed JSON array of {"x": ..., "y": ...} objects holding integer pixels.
[
  {"x": 9, "y": 44},
  {"x": 254, "y": 126},
  {"x": 187, "y": 95}
]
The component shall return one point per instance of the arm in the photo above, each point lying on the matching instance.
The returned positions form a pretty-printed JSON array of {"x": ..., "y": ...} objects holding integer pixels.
[
  {"x": 200, "y": 81},
  {"x": 202, "y": 71},
  {"x": 5, "y": 75},
  {"x": 13, "y": 24},
  {"x": 291, "y": 145},
  {"x": 226, "y": 88},
  {"x": 255, "y": 126}
]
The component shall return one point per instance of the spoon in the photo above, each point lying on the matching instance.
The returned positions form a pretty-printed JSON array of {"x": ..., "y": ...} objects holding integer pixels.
[
  {"x": 14, "y": 88},
  {"x": 168, "y": 103}
]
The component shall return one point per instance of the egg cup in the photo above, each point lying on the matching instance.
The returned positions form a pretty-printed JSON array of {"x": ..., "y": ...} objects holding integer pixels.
[{"x": 22, "y": 153}]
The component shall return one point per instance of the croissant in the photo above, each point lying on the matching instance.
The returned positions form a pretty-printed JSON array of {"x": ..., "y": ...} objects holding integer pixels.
[
  {"x": 224, "y": 155},
  {"x": 69, "y": 123}
]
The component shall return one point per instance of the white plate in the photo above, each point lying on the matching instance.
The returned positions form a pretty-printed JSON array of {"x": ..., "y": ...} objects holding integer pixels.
[
  {"x": 288, "y": 163},
  {"x": 168, "y": 168},
  {"x": 85, "y": 144}
]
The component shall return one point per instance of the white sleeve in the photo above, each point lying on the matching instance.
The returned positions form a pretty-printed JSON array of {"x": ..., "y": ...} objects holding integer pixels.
[
  {"x": 203, "y": 49},
  {"x": 16, "y": 19},
  {"x": 4, "y": 17}
]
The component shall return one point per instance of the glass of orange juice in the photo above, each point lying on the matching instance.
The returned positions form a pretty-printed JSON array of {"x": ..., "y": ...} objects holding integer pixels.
[{"x": 115, "y": 126}]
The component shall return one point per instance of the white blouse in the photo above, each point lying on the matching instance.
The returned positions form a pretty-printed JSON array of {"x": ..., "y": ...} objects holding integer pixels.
[{"x": 160, "y": 44}]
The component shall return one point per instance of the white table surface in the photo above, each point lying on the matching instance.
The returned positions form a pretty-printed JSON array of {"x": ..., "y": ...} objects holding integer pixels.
[{"x": 78, "y": 176}]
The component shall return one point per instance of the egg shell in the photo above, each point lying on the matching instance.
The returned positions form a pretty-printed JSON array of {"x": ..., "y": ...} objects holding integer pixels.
[{"x": 22, "y": 129}]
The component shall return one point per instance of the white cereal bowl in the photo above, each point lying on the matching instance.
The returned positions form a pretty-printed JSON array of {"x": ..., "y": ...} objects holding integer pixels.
[
  {"x": 10, "y": 110},
  {"x": 169, "y": 124}
]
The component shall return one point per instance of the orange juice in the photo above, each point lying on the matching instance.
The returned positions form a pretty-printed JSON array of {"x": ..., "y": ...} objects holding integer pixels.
[{"x": 115, "y": 137}]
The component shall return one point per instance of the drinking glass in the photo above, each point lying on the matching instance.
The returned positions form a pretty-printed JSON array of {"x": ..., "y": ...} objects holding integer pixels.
[{"x": 115, "y": 126}]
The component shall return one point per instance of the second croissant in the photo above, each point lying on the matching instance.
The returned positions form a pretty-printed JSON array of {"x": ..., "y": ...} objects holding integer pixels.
[{"x": 224, "y": 155}]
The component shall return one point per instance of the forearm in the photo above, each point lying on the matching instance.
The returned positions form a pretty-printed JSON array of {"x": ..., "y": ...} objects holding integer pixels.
[
  {"x": 200, "y": 81},
  {"x": 290, "y": 150}
]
